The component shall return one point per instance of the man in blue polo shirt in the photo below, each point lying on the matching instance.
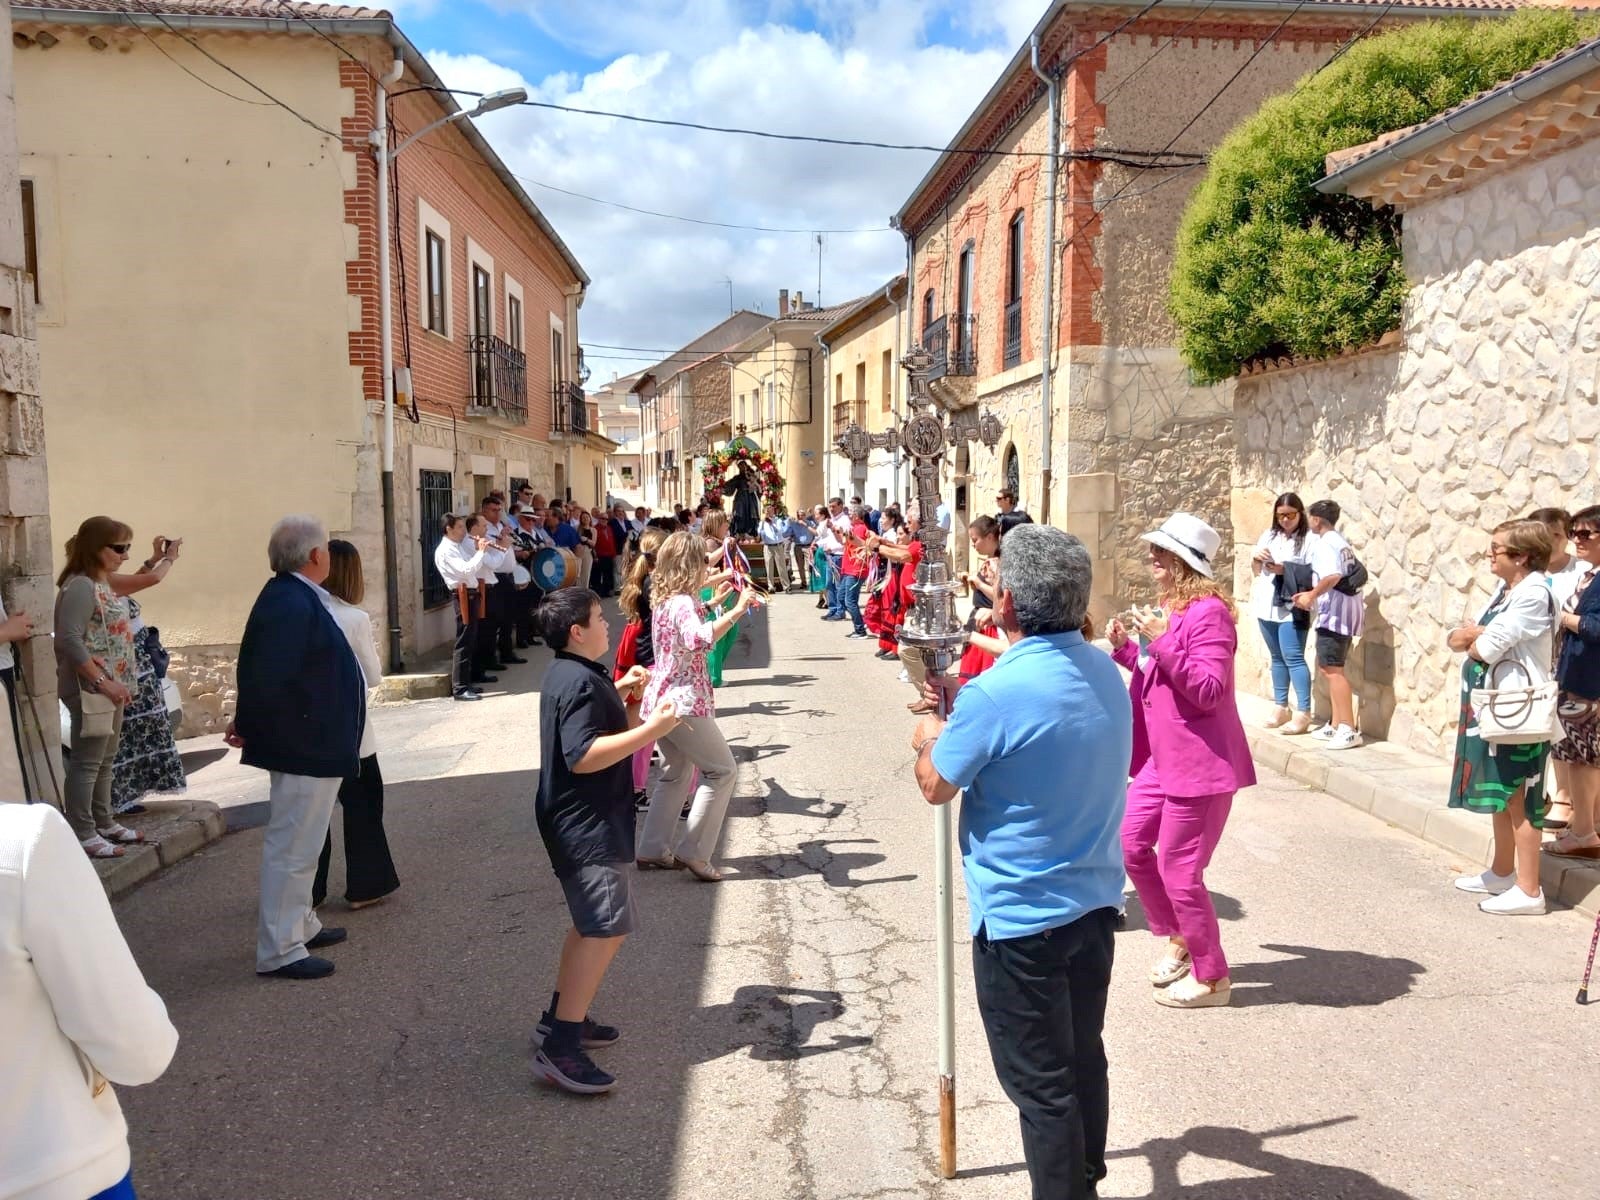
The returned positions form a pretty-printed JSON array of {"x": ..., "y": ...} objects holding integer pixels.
[{"x": 1041, "y": 743}]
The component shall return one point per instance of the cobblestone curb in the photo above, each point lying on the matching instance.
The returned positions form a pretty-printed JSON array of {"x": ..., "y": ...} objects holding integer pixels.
[
  {"x": 175, "y": 829},
  {"x": 1408, "y": 791}
]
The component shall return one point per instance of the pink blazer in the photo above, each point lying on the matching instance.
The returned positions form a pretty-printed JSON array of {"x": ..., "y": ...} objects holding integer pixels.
[{"x": 1184, "y": 715}]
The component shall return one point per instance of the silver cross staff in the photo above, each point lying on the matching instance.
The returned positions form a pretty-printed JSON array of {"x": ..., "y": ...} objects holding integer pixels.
[{"x": 932, "y": 628}]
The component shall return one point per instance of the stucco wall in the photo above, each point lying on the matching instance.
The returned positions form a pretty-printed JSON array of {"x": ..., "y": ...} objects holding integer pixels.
[
  {"x": 1489, "y": 409},
  {"x": 864, "y": 343},
  {"x": 194, "y": 319},
  {"x": 795, "y": 362}
]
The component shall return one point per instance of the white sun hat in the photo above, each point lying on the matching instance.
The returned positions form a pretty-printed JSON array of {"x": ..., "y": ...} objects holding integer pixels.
[{"x": 1191, "y": 539}]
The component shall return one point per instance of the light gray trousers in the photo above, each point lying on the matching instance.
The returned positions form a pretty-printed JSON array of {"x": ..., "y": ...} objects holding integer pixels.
[
  {"x": 696, "y": 742},
  {"x": 88, "y": 783},
  {"x": 302, "y": 806}
]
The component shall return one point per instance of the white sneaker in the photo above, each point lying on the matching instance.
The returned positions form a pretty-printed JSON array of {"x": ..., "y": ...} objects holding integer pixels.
[
  {"x": 903, "y": 677},
  {"x": 1324, "y": 732},
  {"x": 1344, "y": 738},
  {"x": 1487, "y": 883},
  {"x": 1514, "y": 902}
]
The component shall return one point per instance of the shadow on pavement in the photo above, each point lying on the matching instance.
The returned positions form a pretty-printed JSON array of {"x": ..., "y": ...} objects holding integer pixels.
[
  {"x": 778, "y": 799},
  {"x": 815, "y": 858},
  {"x": 771, "y": 708},
  {"x": 198, "y": 760},
  {"x": 406, "y": 1073},
  {"x": 1323, "y": 978},
  {"x": 1280, "y": 1178},
  {"x": 765, "y": 680},
  {"x": 1228, "y": 909}
]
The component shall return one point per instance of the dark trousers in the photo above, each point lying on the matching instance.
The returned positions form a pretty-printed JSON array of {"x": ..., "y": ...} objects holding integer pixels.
[
  {"x": 8, "y": 677},
  {"x": 368, "y": 868},
  {"x": 464, "y": 659},
  {"x": 604, "y": 577},
  {"x": 503, "y": 610},
  {"x": 1043, "y": 1002},
  {"x": 524, "y": 604}
]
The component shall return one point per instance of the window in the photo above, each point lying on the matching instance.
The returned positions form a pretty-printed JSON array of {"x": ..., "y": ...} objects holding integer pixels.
[
  {"x": 30, "y": 237},
  {"x": 860, "y": 407},
  {"x": 1013, "y": 473},
  {"x": 558, "y": 357},
  {"x": 741, "y": 408},
  {"x": 482, "y": 302},
  {"x": 961, "y": 341},
  {"x": 927, "y": 310},
  {"x": 1014, "y": 276},
  {"x": 772, "y": 403},
  {"x": 434, "y": 497},
  {"x": 888, "y": 380},
  {"x": 514, "y": 322},
  {"x": 436, "y": 283}
]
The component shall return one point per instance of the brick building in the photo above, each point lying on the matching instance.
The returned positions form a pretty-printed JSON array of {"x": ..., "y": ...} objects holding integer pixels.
[
  {"x": 245, "y": 381},
  {"x": 1114, "y": 435}
]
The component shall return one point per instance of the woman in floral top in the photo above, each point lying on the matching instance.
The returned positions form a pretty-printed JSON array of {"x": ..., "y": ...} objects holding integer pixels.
[
  {"x": 682, "y": 636},
  {"x": 94, "y": 653}
]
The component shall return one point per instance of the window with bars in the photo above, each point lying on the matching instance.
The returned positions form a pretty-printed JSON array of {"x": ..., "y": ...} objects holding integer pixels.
[{"x": 434, "y": 491}]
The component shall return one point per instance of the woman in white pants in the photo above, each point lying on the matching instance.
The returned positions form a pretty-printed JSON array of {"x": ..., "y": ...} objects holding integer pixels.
[{"x": 682, "y": 636}]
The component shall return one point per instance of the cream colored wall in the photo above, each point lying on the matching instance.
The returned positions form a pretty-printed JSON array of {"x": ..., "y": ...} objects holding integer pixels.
[
  {"x": 195, "y": 318},
  {"x": 866, "y": 343},
  {"x": 796, "y": 444}
]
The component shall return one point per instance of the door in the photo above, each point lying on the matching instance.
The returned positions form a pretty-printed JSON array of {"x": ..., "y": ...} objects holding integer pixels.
[{"x": 959, "y": 347}]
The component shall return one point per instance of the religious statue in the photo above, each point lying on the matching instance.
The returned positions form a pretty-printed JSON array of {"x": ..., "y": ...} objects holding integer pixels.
[{"x": 746, "y": 508}]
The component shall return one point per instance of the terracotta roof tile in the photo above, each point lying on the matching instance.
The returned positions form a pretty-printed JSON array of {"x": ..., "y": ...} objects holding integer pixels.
[{"x": 207, "y": 8}]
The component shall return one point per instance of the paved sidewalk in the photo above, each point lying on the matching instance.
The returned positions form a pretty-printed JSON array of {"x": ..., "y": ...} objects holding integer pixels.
[{"x": 1407, "y": 790}]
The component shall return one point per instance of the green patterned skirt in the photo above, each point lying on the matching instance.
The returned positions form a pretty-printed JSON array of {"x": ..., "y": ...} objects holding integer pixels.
[
  {"x": 719, "y": 652},
  {"x": 1485, "y": 776}
]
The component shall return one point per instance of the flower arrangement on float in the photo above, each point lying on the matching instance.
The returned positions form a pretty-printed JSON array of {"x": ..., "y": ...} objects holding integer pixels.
[{"x": 741, "y": 450}]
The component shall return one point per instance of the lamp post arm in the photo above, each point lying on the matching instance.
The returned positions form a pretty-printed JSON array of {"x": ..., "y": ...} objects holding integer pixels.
[{"x": 424, "y": 131}]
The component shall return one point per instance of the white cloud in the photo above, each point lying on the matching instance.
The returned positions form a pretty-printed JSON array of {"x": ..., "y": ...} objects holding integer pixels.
[{"x": 867, "y": 73}]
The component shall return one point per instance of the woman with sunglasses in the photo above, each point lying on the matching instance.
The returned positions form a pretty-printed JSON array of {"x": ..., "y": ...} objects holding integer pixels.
[
  {"x": 95, "y": 655},
  {"x": 1577, "y": 756},
  {"x": 1283, "y": 626}
]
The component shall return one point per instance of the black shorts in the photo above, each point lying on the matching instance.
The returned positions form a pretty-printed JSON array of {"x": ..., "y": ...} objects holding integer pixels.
[
  {"x": 1332, "y": 648},
  {"x": 600, "y": 899}
]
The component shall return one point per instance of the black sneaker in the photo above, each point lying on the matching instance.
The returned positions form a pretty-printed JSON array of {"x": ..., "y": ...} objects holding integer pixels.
[
  {"x": 641, "y": 800},
  {"x": 574, "y": 1072},
  {"x": 514, "y": 659},
  {"x": 309, "y": 967},
  {"x": 592, "y": 1036}
]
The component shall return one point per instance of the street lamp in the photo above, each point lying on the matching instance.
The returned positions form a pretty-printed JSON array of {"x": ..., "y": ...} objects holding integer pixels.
[{"x": 379, "y": 140}]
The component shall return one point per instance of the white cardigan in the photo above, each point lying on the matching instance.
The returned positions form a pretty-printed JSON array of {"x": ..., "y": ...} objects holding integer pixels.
[
  {"x": 1520, "y": 633},
  {"x": 356, "y": 626},
  {"x": 77, "y": 1012}
]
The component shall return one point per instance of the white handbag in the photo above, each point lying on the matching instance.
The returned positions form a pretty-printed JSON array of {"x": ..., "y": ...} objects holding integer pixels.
[{"x": 1517, "y": 715}]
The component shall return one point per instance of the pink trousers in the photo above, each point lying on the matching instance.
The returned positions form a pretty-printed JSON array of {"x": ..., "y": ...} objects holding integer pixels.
[
  {"x": 641, "y": 766},
  {"x": 1167, "y": 843}
]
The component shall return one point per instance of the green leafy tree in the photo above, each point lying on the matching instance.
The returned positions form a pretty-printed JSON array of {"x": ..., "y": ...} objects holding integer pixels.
[{"x": 1266, "y": 265}]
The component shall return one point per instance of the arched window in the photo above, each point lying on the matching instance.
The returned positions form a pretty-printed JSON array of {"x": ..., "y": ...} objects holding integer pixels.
[
  {"x": 1013, "y": 474},
  {"x": 927, "y": 311}
]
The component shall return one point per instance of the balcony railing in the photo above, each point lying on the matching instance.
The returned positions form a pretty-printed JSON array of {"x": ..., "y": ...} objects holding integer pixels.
[
  {"x": 847, "y": 412},
  {"x": 953, "y": 342},
  {"x": 569, "y": 412},
  {"x": 669, "y": 460},
  {"x": 499, "y": 377},
  {"x": 1013, "y": 355}
]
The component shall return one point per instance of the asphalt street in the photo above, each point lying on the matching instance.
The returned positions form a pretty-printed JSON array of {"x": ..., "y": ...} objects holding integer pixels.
[{"x": 1387, "y": 1041}]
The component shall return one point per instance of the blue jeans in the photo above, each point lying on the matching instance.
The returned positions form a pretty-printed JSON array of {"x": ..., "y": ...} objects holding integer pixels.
[
  {"x": 850, "y": 597},
  {"x": 834, "y": 591},
  {"x": 1286, "y": 643},
  {"x": 117, "y": 1191}
]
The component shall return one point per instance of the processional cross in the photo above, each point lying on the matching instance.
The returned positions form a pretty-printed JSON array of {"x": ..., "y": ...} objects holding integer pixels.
[{"x": 932, "y": 628}]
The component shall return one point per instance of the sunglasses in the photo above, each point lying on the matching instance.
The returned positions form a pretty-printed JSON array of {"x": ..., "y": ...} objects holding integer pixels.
[
  {"x": 120, "y": 547},
  {"x": 1583, "y": 535},
  {"x": 1286, "y": 512}
]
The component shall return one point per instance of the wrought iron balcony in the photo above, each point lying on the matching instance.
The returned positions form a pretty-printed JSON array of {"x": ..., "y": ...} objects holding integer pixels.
[
  {"x": 1013, "y": 349},
  {"x": 846, "y": 412},
  {"x": 569, "y": 411},
  {"x": 669, "y": 460},
  {"x": 499, "y": 378},
  {"x": 953, "y": 342}
]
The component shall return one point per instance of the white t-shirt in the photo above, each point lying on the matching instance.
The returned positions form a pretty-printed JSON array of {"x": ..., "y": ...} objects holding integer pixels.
[
  {"x": 8, "y": 660},
  {"x": 1562, "y": 584},
  {"x": 1263, "y": 587},
  {"x": 1338, "y": 613}
]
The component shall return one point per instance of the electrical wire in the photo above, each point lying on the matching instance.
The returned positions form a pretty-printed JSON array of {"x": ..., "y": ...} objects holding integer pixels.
[
  {"x": 197, "y": 78},
  {"x": 1101, "y": 101}
]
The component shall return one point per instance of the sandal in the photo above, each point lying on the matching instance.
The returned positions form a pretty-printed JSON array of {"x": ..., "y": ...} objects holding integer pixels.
[
  {"x": 1172, "y": 966},
  {"x": 665, "y": 863},
  {"x": 122, "y": 835},
  {"x": 1559, "y": 816},
  {"x": 1570, "y": 846},
  {"x": 96, "y": 846},
  {"x": 703, "y": 871}
]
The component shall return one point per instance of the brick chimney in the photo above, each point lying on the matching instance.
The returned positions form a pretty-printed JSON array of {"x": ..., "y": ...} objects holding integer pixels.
[{"x": 783, "y": 302}]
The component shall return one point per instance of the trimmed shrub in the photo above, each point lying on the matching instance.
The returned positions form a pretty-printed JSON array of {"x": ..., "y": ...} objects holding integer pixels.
[{"x": 1265, "y": 265}]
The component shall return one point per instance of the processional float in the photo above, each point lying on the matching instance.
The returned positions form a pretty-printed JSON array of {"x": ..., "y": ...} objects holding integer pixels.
[{"x": 932, "y": 629}]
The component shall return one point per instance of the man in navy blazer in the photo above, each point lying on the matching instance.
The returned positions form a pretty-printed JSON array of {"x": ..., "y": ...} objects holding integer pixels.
[{"x": 302, "y": 706}]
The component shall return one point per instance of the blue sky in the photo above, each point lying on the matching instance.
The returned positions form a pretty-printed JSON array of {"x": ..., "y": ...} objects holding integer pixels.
[{"x": 889, "y": 70}]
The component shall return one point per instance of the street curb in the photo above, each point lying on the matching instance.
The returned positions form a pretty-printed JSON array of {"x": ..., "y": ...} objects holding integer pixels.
[
  {"x": 175, "y": 829},
  {"x": 396, "y": 689},
  {"x": 1406, "y": 790}
]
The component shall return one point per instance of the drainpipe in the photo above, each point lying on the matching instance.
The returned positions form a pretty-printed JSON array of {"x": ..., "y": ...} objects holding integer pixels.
[
  {"x": 894, "y": 383},
  {"x": 1047, "y": 307},
  {"x": 391, "y": 553},
  {"x": 828, "y": 431},
  {"x": 911, "y": 305}
]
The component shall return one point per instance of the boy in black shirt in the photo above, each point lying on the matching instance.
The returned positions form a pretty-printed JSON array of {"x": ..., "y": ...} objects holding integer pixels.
[{"x": 589, "y": 729}]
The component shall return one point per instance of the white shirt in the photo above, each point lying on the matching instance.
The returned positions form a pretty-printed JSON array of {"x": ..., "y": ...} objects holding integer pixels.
[
  {"x": 492, "y": 529},
  {"x": 356, "y": 626},
  {"x": 455, "y": 565},
  {"x": 7, "y": 659},
  {"x": 1263, "y": 588},
  {"x": 1562, "y": 583},
  {"x": 943, "y": 513},
  {"x": 64, "y": 971}
]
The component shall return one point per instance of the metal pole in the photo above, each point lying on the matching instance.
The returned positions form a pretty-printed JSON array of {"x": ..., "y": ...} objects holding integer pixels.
[
  {"x": 391, "y": 566},
  {"x": 944, "y": 939},
  {"x": 1047, "y": 322}
]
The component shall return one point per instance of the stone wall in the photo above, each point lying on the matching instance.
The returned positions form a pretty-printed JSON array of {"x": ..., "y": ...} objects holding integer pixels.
[
  {"x": 25, "y": 539},
  {"x": 207, "y": 683},
  {"x": 1488, "y": 408}
]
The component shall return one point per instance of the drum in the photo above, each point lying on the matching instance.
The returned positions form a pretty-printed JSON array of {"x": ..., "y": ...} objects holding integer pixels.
[
  {"x": 554, "y": 568},
  {"x": 520, "y": 576}
]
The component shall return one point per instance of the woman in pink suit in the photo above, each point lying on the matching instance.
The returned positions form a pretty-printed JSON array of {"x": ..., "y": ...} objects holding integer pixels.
[{"x": 1189, "y": 757}]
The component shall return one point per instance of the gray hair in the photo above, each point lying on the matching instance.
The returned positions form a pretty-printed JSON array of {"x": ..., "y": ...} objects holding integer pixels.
[
  {"x": 858, "y": 512},
  {"x": 1048, "y": 573},
  {"x": 292, "y": 541}
]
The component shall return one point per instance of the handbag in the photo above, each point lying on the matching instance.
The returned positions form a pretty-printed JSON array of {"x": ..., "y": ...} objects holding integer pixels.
[
  {"x": 1355, "y": 578},
  {"x": 160, "y": 656},
  {"x": 1517, "y": 715},
  {"x": 99, "y": 715}
]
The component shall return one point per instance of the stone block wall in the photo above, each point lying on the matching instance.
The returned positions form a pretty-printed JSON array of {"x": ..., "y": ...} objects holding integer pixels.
[{"x": 1489, "y": 407}]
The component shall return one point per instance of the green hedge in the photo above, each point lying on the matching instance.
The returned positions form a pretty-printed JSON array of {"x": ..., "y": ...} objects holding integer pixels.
[{"x": 1265, "y": 265}]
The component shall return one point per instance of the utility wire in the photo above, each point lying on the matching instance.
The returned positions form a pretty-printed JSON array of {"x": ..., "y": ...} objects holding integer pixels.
[
  {"x": 196, "y": 77},
  {"x": 1170, "y": 42}
]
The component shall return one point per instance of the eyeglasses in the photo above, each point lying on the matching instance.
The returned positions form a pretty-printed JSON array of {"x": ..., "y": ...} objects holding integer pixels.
[
  {"x": 1287, "y": 512},
  {"x": 1583, "y": 535},
  {"x": 1494, "y": 552},
  {"x": 120, "y": 547}
]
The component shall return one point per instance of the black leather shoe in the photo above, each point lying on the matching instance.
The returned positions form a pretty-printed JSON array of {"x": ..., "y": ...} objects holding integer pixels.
[
  {"x": 497, "y": 665},
  {"x": 467, "y": 694},
  {"x": 309, "y": 967},
  {"x": 477, "y": 679},
  {"x": 516, "y": 660},
  {"x": 331, "y": 935}
]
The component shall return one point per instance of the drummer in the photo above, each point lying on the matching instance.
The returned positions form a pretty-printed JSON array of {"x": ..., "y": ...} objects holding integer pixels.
[
  {"x": 497, "y": 561},
  {"x": 526, "y": 541}
]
